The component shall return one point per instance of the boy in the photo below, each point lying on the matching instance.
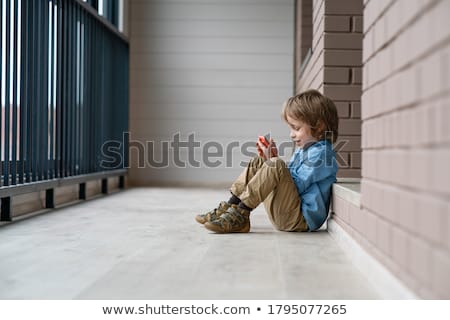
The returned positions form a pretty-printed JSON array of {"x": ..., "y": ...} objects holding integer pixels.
[{"x": 296, "y": 196}]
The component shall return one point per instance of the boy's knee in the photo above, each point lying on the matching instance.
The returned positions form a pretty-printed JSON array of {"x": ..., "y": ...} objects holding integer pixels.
[
  {"x": 275, "y": 162},
  {"x": 256, "y": 162}
]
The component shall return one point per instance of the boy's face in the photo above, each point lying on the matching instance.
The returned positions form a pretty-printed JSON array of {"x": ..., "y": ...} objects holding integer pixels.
[{"x": 300, "y": 132}]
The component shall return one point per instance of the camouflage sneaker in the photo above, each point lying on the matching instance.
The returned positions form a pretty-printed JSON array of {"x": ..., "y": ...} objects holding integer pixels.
[
  {"x": 213, "y": 214},
  {"x": 235, "y": 219}
]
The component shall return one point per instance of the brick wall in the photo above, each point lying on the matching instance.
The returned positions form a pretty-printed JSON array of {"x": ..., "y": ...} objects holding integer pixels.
[
  {"x": 405, "y": 215},
  {"x": 335, "y": 69}
]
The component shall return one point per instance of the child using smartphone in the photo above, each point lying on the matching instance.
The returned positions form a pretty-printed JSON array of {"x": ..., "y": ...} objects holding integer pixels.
[{"x": 296, "y": 195}]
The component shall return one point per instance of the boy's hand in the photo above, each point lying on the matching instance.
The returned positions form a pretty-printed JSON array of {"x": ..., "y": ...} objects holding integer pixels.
[{"x": 267, "y": 152}]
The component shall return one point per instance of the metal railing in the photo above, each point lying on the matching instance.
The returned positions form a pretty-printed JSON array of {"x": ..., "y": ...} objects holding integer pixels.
[{"x": 64, "y": 94}]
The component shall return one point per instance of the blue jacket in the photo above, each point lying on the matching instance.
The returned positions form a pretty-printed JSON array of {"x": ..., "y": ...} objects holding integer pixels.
[{"x": 313, "y": 170}]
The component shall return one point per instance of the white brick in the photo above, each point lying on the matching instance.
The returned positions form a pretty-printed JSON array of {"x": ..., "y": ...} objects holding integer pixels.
[
  {"x": 400, "y": 247},
  {"x": 384, "y": 236},
  {"x": 371, "y": 221},
  {"x": 431, "y": 219},
  {"x": 420, "y": 169},
  {"x": 407, "y": 215},
  {"x": 445, "y": 68},
  {"x": 393, "y": 205},
  {"x": 420, "y": 265},
  {"x": 440, "y": 274},
  {"x": 440, "y": 171},
  {"x": 431, "y": 80}
]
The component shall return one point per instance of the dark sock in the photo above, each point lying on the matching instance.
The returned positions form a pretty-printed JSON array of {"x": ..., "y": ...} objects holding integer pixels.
[
  {"x": 243, "y": 206},
  {"x": 234, "y": 200}
]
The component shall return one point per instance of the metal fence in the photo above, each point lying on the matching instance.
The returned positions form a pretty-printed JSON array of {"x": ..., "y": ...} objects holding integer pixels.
[{"x": 64, "y": 95}]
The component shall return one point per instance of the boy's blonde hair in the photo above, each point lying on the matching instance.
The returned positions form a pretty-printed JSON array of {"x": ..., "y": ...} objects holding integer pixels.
[{"x": 316, "y": 110}]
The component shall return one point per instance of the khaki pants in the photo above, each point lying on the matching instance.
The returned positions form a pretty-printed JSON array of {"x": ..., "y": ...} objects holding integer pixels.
[{"x": 270, "y": 182}]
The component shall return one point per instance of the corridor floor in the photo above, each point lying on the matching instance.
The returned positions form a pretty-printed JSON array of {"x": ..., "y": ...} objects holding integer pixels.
[{"x": 144, "y": 243}]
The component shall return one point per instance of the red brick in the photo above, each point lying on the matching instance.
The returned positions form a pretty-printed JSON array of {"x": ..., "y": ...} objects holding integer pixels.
[
  {"x": 336, "y": 75},
  {"x": 356, "y": 110},
  {"x": 355, "y": 159},
  {"x": 343, "y": 92},
  {"x": 343, "y": 41},
  {"x": 357, "y": 24},
  {"x": 351, "y": 7},
  {"x": 343, "y": 57},
  {"x": 350, "y": 126},
  {"x": 343, "y": 160},
  {"x": 343, "y": 109},
  {"x": 349, "y": 173},
  {"x": 337, "y": 24},
  {"x": 348, "y": 143},
  {"x": 357, "y": 75}
]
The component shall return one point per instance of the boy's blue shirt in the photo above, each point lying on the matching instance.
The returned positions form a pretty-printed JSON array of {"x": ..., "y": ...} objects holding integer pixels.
[{"x": 313, "y": 170}]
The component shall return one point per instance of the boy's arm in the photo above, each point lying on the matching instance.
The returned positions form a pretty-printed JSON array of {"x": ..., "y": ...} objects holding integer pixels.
[{"x": 314, "y": 168}]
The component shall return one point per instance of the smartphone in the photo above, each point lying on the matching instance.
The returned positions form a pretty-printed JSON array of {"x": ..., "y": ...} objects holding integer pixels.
[{"x": 265, "y": 140}]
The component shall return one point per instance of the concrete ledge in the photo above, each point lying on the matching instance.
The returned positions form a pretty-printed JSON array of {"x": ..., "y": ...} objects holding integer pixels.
[
  {"x": 350, "y": 192},
  {"x": 382, "y": 280}
]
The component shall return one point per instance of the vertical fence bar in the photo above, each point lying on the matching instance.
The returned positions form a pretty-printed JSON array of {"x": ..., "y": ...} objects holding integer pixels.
[
  {"x": 23, "y": 86},
  {"x": 71, "y": 89},
  {"x": 82, "y": 191},
  {"x": 65, "y": 91},
  {"x": 105, "y": 186},
  {"x": 78, "y": 105},
  {"x": 40, "y": 93},
  {"x": 59, "y": 86},
  {"x": 14, "y": 97},
  {"x": 50, "y": 154},
  {"x": 45, "y": 89},
  {"x": 30, "y": 96},
  {"x": 34, "y": 103},
  {"x": 6, "y": 162},
  {"x": 50, "y": 198},
  {"x": 1, "y": 91},
  {"x": 5, "y": 214},
  {"x": 86, "y": 91}
]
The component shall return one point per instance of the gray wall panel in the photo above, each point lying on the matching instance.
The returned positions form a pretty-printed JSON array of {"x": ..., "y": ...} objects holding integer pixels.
[{"x": 217, "y": 69}]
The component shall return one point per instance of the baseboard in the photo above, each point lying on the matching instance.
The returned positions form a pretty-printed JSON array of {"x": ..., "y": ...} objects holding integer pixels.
[{"x": 382, "y": 280}]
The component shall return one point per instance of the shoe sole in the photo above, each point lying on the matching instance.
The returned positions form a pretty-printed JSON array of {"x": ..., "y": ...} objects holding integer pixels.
[{"x": 216, "y": 229}]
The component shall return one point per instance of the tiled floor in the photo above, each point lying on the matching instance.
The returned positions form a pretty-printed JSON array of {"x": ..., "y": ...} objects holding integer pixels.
[{"x": 145, "y": 244}]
